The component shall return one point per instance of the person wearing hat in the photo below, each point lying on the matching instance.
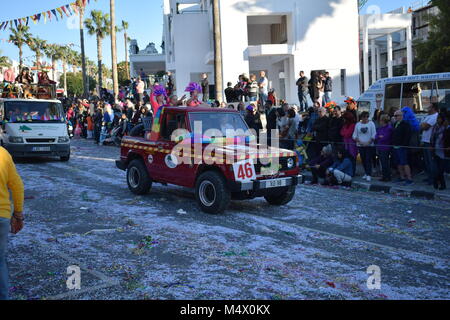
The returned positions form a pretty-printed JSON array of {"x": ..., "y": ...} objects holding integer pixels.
[
  {"x": 252, "y": 119},
  {"x": 352, "y": 107}
]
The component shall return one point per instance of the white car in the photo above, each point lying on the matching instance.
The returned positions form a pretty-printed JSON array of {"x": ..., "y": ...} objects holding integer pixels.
[{"x": 34, "y": 128}]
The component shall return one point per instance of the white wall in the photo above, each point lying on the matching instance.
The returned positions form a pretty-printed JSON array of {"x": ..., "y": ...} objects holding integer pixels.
[
  {"x": 325, "y": 36},
  {"x": 191, "y": 45},
  {"x": 259, "y": 34}
]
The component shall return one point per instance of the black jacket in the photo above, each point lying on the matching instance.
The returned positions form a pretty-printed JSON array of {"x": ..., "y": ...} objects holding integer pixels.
[
  {"x": 231, "y": 96},
  {"x": 334, "y": 129},
  {"x": 447, "y": 142},
  {"x": 402, "y": 134},
  {"x": 272, "y": 119},
  {"x": 328, "y": 84},
  {"x": 320, "y": 127}
]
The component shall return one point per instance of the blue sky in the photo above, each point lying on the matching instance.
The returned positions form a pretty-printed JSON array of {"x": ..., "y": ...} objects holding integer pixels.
[{"x": 143, "y": 16}]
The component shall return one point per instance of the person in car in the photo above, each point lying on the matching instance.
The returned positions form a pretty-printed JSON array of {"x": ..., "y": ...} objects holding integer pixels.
[{"x": 194, "y": 89}]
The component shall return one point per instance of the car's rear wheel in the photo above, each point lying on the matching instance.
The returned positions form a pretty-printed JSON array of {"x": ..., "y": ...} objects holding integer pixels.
[
  {"x": 282, "y": 197},
  {"x": 139, "y": 182},
  {"x": 212, "y": 193}
]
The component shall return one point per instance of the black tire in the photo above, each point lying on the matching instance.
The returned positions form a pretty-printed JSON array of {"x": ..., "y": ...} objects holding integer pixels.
[
  {"x": 281, "y": 198},
  {"x": 212, "y": 193},
  {"x": 65, "y": 158},
  {"x": 138, "y": 180}
]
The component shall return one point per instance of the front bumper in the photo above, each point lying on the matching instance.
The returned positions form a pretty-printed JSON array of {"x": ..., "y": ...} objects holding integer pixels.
[
  {"x": 39, "y": 150},
  {"x": 265, "y": 185},
  {"x": 120, "y": 164}
]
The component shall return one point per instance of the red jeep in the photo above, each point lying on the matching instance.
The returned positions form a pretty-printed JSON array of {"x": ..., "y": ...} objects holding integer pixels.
[{"x": 184, "y": 149}]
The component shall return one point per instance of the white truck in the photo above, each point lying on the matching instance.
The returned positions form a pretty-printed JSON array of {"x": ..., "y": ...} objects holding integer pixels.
[
  {"x": 416, "y": 92},
  {"x": 34, "y": 128}
]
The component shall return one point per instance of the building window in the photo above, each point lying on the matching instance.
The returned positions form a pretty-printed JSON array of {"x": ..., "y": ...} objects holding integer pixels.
[{"x": 343, "y": 82}]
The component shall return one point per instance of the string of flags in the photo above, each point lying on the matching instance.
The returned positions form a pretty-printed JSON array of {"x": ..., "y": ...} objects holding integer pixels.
[{"x": 56, "y": 14}]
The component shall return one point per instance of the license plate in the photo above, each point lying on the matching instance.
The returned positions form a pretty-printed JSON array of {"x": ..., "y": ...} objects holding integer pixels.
[
  {"x": 40, "y": 149},
  {"x": 276, "y": 183}
]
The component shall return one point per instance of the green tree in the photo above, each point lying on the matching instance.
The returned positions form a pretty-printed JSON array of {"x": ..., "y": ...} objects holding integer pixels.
[
  {"x": 54, "y": 53},
  {"x": 122, "y": 69},
  {"x": 98, "y": 25},
  {"x": 75, "y": 83},
  {"x": 126, "y": 39},
  {"x": 19, "y": 37},
  {"x": 433, "y": 55},
  {"x": 4, "y": 61},
  {"x": 38, "y": 46}
]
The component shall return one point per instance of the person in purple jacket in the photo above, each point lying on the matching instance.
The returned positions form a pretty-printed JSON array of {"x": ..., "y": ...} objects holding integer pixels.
[
  {"x": 320, "y": 164},
  {"x": 383, "y": 140}
]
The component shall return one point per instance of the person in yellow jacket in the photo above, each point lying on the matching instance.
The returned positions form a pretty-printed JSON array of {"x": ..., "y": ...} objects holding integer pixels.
[{"x": 9, "y": 181}]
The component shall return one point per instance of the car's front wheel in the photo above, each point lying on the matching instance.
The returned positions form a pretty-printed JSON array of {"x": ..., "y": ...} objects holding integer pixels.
[
  {"x": 212, "y": 193},
  {"x": 282, "y": 197},
  {"x": 139, "y": 182}
]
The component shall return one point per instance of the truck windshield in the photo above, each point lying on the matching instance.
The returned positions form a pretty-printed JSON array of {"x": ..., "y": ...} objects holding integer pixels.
[
  {"x": 219, "y": 121},
  {"x": 33, "y": 111}
]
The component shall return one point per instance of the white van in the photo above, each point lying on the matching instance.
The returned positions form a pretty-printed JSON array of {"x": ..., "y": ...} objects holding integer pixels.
[
  {"x": 416, "y": 92},
  {"x": 34, "y": 128}
]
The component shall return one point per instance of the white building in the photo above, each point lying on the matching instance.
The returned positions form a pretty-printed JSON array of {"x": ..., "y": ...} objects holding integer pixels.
[
  {"x": 391, "y": 40},
  {"x": 280, "y": 37},
  {"x": 149, "y": 60}
]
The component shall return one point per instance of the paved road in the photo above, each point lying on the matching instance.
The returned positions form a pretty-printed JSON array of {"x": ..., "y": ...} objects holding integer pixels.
[{"x": 161, "y": 246}]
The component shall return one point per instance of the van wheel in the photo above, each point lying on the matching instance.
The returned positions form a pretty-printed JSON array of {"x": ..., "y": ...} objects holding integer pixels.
[
  {"x": 138, "y": 180},
  {"x": 65, "y": 158},
  {"x": 281, "y": 198},
  {"x": 211, "y": 192}
]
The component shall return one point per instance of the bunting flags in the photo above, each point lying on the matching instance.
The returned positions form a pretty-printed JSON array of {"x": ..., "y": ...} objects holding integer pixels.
[{"x": 63, "y": 11}]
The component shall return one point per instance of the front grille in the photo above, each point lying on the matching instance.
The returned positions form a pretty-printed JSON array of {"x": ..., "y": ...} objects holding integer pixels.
[
  {"x": 282, "y": 162},
  {"x": 40, "y": 140}
]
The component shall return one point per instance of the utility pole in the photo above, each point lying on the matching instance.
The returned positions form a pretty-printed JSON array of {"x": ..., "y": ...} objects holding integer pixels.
[
  {"x": 114, "y": 48},
  {"x": 217, "y": 51},
  {"x": 83, "y": 55}
]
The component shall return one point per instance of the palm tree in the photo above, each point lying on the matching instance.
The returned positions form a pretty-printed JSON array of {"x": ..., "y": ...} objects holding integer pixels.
[
  {"x": 53, "y": 52},
  {"x": 98, "y": 25},
  {"x": 81, "y": 9},
  {"x": 66, "y": 55},
  {"x": 74, "y": 59},
  {"x": 112, "y": 8},
  {"x": 37, "y": 45},
  {"x": 4, "y": 61},
  {"x": 125, "y": 35},
  {"x": 18, "y": 37}
]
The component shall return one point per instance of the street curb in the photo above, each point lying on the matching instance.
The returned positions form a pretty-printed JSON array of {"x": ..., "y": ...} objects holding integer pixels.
[{"x": 392, "y": 190}]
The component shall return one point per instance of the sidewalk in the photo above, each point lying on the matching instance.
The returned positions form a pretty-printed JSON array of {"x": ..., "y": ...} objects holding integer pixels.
[{"x": 417, "y": 190}]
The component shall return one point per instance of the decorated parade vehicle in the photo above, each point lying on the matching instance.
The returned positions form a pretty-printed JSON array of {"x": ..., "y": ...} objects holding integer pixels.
[
  {"x": 32, "y": 122},
  {"x": 212, "y": 151}
]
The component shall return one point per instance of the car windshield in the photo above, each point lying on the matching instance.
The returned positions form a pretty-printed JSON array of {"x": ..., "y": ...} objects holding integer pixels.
[
  {"x": 221, "y": 121},
  {"x": 33, "y": 111}
]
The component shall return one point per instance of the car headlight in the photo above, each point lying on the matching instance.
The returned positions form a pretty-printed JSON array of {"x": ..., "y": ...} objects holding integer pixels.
[
  {"x": 16, "y": 139},
  {"x": 290, "y": 163},
  {"x": 63, "y": 139}
]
